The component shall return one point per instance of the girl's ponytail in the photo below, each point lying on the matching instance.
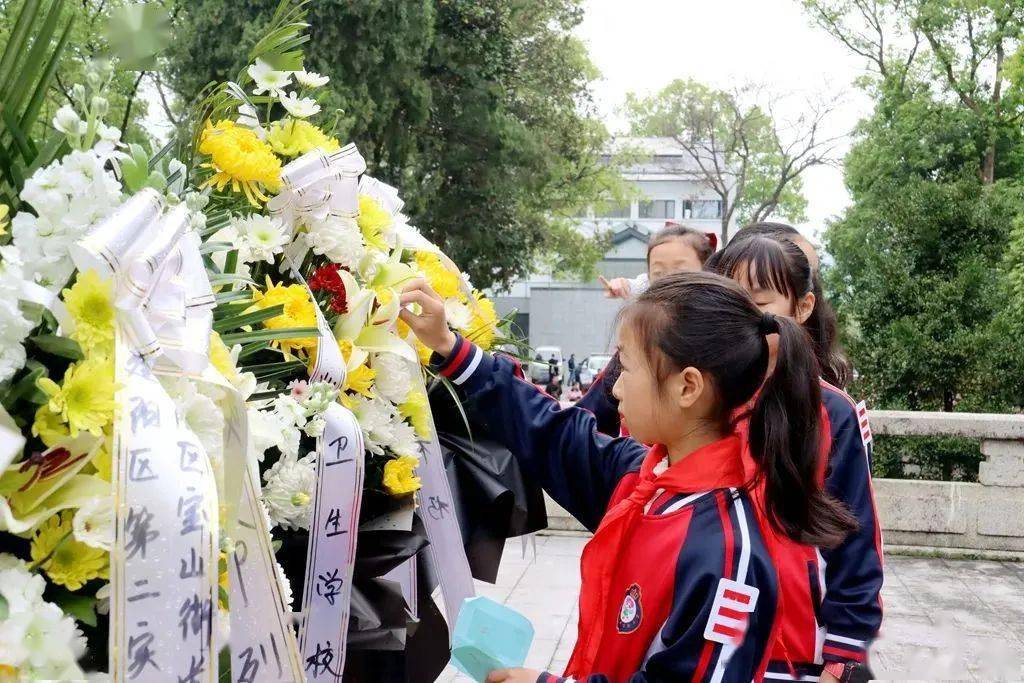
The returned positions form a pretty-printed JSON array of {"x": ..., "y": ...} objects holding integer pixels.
[{"x": 785, "y": 439}]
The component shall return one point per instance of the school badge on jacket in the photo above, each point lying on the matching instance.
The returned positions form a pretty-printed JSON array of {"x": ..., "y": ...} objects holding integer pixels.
[{"x": 632, "y": 612}]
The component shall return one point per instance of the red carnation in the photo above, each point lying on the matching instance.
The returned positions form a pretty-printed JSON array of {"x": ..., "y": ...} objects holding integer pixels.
[{"x": 326, "y": 278}]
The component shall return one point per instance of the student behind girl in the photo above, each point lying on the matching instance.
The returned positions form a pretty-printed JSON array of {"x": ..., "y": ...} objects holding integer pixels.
[
  {"x": 677, "y": 583},
  {"x": 779, "y": 278},
  {"x": 676, "y": 249},
  {"x": 821, "y": 323}
]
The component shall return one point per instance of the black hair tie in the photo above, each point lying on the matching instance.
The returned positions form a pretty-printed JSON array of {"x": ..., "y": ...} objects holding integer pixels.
[{"x": 768, "y": 324}]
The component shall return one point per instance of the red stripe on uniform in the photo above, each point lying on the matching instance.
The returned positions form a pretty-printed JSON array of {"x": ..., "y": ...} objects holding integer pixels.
[
  {"x": 727, "y": 631},
  {"x": 842, "y": 652},
  {"x": 709, "y": 646},
  {"x": 730, "y": 613},
  {"x": 449, "y": 369},
  {"x": 727, "y": 534},
  {"x": 738, "y": 597}
]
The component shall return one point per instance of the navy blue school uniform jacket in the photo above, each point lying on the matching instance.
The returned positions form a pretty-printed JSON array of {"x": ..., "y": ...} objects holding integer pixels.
[
  {"x": 692, "y": 590},
  {"x": 849, "y": 613}
]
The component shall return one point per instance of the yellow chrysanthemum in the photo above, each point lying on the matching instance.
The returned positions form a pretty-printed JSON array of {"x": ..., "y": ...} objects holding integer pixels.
[
  {"x": 4, "y": 211},
  {"x": 220, "y": 357},
  {"x": 416, "y": 409},
  {"x": 400, "y": 477},
  {"x": 239, "y": 157},
  {"x": 71, "y": 563},
  {"x": 373, "y": 222},
  {"x": 49, "y": 426},
  {"x": 90, "y": 303},
  {"x": 441, "y": 279},
  {"x": 484, "y": 327},
  {"x": 299, "y": 311},
  {"x": 85, "y": 399},
  {"x": 360, "y": 380},
  {"x": 423, "y": 352},
  {"x": 345, "y": 346},
  {"x": 103, "y": 464},
  {"x": 293, "y": 137}
]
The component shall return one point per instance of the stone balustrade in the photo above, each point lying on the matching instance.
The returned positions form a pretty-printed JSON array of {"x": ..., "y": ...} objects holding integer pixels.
[
  {"x": 987, "y": 515},
  {"x": 983, "y": 516}
]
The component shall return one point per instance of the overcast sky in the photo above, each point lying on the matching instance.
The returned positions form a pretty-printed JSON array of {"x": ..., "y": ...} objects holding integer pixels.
[{"x": 641, "y": 45}]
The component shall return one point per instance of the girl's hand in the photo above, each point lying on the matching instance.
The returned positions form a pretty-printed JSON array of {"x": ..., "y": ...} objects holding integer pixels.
[
  {"x": 616, "y": 288},
  {"x": 430, "y": 326},
  {"x": 513, "y": 676}
]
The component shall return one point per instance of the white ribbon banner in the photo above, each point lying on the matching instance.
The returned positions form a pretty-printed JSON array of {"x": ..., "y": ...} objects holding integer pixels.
[
  {"x": 333, "y": 527},
  {"x": 263, "y": 646},
  {"x": 164, "y": 561},
  {"x": 442, "y": 525}
]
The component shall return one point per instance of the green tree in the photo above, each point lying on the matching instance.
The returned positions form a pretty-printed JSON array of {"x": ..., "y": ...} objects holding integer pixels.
[
  {"x": 925, "y": 267},
  {"x": 86, "y": 41},
  {"x": 738, "y": 145},
  {"x": 479, "y": 112},
  {"x": 965, "y": 51}
]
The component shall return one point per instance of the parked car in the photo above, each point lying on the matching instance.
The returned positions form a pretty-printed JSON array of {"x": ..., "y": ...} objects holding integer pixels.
[
  {"x": 539, "y": 368},
  {"x": 591, "y": 367}
]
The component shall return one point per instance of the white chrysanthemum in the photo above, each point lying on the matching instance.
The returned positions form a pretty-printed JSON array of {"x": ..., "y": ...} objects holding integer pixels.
[
  {"x": 268, "y": 80},
  {"x": 376, "y": 420},
  {"x": 259, "y": 238},
  {"x": 311, "y": 79},
  {"x": 458, "y": 314},
  {"x": 93, "y": 523},
  {"x": 287, "y": 597},
  {"x": 291, "y": 484},
  {"x": 19, "y": 587},
  {"x": 35, "y": 636},
  {"x": 67, "y": 121},
  {"x": 339, "y": 239},
  {"x": 393, "y": 378},
  {"x": 404, "y": 441},
  {"x": 299, "y": 107}
]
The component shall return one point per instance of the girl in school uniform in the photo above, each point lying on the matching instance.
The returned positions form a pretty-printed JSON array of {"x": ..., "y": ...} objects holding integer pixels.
[
  {"x": 676, "y": 249},
  {"x": 677, "y": 582},
  {"x": 844, "y": 582}
]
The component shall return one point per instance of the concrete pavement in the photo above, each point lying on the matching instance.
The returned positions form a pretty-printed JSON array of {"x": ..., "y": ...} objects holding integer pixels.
[{"x": 944, "y": 619}]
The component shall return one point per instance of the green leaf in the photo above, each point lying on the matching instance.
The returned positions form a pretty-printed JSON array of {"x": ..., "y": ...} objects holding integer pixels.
[
  {"x": 81, "y": 607},
  {"x": 58, "y": 346},
  {"x": 248, "y": 318},
  {"x": 271, "y": 335}
]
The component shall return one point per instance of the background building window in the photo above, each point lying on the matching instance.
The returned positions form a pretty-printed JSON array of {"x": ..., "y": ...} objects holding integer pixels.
[
  {"x": 706, "y": 208},
  {"x": 658, "y": 208},
  {"x": 610, "y": 211}
]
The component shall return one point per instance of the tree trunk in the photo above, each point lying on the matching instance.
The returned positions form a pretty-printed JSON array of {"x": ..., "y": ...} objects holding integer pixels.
[{"x": 988, "y": 167}]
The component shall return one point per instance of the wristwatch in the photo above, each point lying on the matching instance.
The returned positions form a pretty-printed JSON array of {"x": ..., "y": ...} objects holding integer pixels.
[{"x": 849, "y": 672}]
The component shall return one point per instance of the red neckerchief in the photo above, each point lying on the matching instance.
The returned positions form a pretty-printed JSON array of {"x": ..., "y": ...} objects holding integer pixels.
[{"x": 717, "y": 465}]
